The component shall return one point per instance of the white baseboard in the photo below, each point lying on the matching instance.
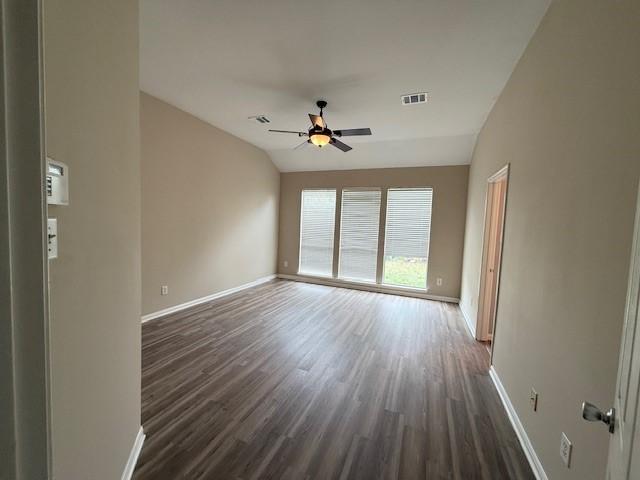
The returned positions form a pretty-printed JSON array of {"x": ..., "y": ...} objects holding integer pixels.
[
  {"x": 133, "y": 456},
  {"x": 534, "y": 461},
  {"x": 208, "y": 298},
  {"x": 468, "y": 322},
  {"x": 333, "y": 282}
]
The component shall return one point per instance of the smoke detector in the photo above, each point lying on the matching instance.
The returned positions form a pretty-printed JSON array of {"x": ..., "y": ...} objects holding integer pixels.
[
  {"x": 260, "y": 119},
  {"x": 414, "y": 98}
]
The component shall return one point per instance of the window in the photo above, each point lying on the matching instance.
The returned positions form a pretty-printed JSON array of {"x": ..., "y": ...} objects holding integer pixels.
[
  {"x": 359, "y": 227},
  {"x": 406, "y": 235},
  {"x": 406, "y": 244},
  {"x": 317, "y": 220}
]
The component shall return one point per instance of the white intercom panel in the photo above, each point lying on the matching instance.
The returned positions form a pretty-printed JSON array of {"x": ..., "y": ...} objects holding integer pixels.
[{"x": 57, "y": 182}]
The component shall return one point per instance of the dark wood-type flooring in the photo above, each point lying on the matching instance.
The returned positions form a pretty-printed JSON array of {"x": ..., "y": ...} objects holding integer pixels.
[{"x": 297, "y": 381}]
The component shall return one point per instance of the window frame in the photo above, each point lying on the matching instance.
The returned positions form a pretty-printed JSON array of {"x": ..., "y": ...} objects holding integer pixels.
[
  {"x": 333, "y": 241},
  {"x": 384, "y": 250},
  {"x": 337, "y": 271},
  {"x": 337, "y": 243}
]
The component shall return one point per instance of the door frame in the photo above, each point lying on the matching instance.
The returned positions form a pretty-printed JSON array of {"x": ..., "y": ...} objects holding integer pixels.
[
  {"x": 24, "y": 310},
  {"x": 482, "y": 324}
]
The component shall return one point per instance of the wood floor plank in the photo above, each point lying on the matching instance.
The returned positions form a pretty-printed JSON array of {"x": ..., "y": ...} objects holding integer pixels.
[{"x": 297, "y": 381}]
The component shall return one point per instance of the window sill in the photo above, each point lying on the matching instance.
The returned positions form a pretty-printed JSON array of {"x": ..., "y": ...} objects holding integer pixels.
[
  {"x": 400, "y": 287},
  {"x": 315, "y": 275}
]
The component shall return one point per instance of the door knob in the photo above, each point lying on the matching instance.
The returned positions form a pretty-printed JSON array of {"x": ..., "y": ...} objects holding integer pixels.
[{"x": 591, "y": 413}]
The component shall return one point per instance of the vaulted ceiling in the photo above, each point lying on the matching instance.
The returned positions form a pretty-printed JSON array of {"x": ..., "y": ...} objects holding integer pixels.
[{"x": 227, "y": 60}]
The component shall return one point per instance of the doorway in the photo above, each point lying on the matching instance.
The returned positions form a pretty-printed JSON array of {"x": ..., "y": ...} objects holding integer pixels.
[{"x": 495, "y": 209}]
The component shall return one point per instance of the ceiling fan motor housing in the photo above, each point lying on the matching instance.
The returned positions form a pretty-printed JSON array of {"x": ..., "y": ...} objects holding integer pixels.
[
  {"x": 317, "y": 129},
  {"x": 320, "y": 136},
  {"x": 320, "y": 131}
]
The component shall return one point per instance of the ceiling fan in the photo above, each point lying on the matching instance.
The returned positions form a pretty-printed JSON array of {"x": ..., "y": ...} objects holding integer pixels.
[{"x": 320, "y": 135}]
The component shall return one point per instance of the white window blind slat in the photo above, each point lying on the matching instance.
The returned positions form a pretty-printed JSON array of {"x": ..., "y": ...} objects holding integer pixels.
[
  {"x": 359, "y": 225},
  {"x": 317, "y": 223},
  {"x": 407, "y": 232}
]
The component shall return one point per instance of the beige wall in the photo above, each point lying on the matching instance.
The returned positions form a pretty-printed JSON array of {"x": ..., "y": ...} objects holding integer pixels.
[
  {"x": 209, "y": 208},
  {"x": 447, "y": 231},
  {"x": 92, "y": 124},
  {"x": 568, "y": 123}
]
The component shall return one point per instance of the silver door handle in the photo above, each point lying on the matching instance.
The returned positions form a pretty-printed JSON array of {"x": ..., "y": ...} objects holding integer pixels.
[{"x": 591, "y": 413}]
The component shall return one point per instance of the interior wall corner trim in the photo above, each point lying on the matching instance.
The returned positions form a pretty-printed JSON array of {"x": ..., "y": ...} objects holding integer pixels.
[{"x": 468, "y": 322}]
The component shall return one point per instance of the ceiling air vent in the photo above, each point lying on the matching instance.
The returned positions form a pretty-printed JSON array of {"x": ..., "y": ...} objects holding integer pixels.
[
  {"x": 414, "y": 98},
  {"x": 260, "y": 119}
]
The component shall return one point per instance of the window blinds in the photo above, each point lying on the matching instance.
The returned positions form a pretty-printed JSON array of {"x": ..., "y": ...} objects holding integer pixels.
[
  {"x": 316, "y": 232},
  {"x": 406, "y": 246},
  {"x": 359, "y": 234}
]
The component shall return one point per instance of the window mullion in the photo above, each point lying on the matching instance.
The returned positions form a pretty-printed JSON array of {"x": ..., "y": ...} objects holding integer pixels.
[
  {"x": 337, "y": 233},
  {"x": 381, "y": 236}
]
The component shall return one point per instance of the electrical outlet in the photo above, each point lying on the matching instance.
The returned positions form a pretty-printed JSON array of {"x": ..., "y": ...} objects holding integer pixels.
[
  {"x": 439, "y": 281},
  {"x": 533, "y": 400},
  {"x": 286, "y": 263},
  {"x": 164, "y": 290},
  {"x": 565, "y": 450}
]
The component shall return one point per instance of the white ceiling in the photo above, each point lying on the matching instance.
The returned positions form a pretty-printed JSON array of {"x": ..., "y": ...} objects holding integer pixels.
[{"x": 226, "y": 60}]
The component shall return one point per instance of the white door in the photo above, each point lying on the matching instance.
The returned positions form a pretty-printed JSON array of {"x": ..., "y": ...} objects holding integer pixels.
[{"x": 624, "y": 449}]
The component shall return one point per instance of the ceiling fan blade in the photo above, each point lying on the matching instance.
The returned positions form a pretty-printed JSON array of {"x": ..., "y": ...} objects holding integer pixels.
[
  {"x": 300, "y": 134},
  {"x": 342, "y": 146},
  {"x": 317, "y": 120},
  {"x": 352, "y": 132},
  {"x": 306, "y": 142}
]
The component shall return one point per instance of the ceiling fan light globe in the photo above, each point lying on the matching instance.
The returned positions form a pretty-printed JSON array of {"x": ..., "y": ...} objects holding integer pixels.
[{"x": 320, "y": 139}]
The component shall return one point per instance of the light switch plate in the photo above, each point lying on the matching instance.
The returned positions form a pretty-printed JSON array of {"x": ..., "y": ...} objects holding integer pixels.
[
  {"x": 565, "y": 450},
  {"x": 52, "y": 238}
]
